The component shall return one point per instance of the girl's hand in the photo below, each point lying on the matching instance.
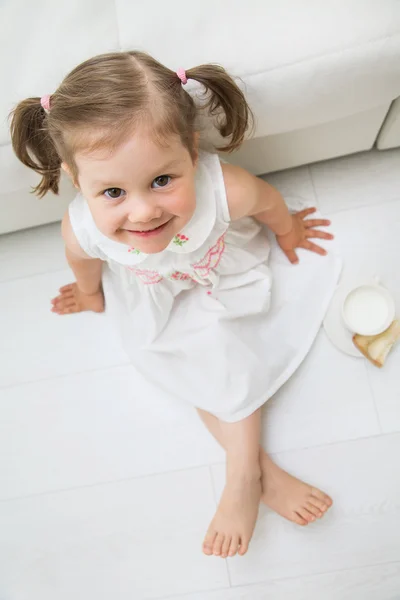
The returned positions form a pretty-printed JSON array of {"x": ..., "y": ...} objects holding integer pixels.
[
  {"x": 72, "y": 300},
  {"x": 302, "y": 231}
]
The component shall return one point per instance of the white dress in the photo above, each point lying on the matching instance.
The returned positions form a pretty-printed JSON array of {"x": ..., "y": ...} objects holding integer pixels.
[{"x": 208, "y": 320}]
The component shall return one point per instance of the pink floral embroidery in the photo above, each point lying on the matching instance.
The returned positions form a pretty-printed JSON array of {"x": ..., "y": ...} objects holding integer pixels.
[
  {"x": 178, "y": 276},
  {"x": 146, "y": 276},
  {"x": 202, "y": 268},
  {"x": 180, "y": 239},
  {"x": 211, "y": 259},
  {"x": 134, "y": 250}
]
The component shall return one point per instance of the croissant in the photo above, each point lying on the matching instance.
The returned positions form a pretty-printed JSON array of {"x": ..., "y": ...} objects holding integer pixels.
[{"x": 377, "y": 347}]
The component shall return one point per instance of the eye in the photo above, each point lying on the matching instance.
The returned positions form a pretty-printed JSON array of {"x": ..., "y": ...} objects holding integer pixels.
[
  {"x": 161, "y": 181},
  {"x": 114, "y": 193}
]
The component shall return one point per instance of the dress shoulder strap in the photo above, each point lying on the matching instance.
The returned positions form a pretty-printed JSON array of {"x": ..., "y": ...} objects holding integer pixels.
[
  {"x": 84, "y": 227},
  {"x": 213, "y": 163}
]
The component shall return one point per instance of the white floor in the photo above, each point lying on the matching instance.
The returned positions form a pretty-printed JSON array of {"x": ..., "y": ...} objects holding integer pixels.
[{"x": 106, "y": 493}]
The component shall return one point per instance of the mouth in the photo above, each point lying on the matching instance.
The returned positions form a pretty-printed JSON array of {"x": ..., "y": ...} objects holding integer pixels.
[{"x": 148, "y": 232}]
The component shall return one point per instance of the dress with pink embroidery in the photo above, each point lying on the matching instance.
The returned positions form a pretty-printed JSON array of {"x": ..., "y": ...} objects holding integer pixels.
[{"x": 201, "y": 321}]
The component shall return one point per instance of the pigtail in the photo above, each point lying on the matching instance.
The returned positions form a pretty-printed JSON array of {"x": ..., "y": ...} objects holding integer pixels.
[
  {"x": 33, "y": 145},
  {"x": 226, "y": 97}
]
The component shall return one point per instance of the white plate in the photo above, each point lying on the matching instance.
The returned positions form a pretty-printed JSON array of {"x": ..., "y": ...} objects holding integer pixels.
[{"x": 334, "y": 325}]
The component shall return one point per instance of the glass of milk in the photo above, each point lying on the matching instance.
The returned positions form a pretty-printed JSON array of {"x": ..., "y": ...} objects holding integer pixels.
[{"x": 368, "y": 310}]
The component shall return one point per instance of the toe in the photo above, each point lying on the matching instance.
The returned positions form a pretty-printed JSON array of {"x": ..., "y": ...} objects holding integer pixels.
[
  {"x": 226, "y": 546},
  {"x": 209, "y": 542},
  {"x": 244, "y": 546},
  {"x": 314, "y": 510},
  {"x": 234, "y": 545},
  {"x": 297, "y": 518},
  {"x": 219, "y": 540}
]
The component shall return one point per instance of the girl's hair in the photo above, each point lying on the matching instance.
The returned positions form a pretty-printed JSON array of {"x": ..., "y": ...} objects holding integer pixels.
[{"x": 103, "y": 99}]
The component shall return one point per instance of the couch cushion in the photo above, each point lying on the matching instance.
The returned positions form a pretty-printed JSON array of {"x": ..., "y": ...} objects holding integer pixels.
[
  {"x": 389, "y": 135},
  {"x": 18, "y": 207},
  {"x": 303, "y": 63},
  {"x": 41, "y": 41}
]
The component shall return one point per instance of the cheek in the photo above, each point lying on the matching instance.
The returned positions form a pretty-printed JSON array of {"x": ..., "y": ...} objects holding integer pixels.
[
  {"x": 106, "y": 219},
  {"x": 182, "y": 206},
  {"x": 183, "y": 202}
]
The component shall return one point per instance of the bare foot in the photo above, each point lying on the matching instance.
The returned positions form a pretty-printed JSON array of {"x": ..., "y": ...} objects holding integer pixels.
[
  {"x": 290, "y": 497},
  {"x": 72, "y": 300},
  {"x": 231, "y": 529}
]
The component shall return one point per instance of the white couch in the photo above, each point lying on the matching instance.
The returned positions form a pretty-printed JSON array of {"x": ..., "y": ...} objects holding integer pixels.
[{"x": 321, "y": 76}]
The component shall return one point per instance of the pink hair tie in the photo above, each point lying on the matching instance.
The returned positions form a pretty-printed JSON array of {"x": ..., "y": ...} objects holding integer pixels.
[
  {"x": 182, "y": 75},
  {"x": 45, "y": 102}
]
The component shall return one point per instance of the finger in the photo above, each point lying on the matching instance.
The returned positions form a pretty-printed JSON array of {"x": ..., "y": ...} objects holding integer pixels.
[
  {"x": 318, "y": 504},
  {"x": 234, "y": 545},
  {"x": 219, "y": 540},
  {"x": 70, "y": 310},
  {"x": 297, "y": 518},
  {"x": 305, "y": 514},
  {"x": 314, "y": 233},
  {"x": 225, "y": 546},
  {"x": 327, "y": 500},
  {"x": 65, "y": 305},
  {"x": 308, "y": 223},
  {"x": 209, "y": 542},
  {"x": 292, "y": 256},
  {"x": 66, "y": 288},
  {"x": 68, "y": 294},
  {"x": 68, "y": 303},
  {"x": 314, "y": 510},
  {"x": 307, "y": 211},
  {"x": 65, "y": 311},
  {"x": 313, "y": 248},
  {"x": 64, "y": 295},
  {"x": 244, "y": 546}
]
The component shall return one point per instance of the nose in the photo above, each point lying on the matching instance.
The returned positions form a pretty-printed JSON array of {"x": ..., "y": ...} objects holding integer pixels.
[{"x": 142, "y": 210}]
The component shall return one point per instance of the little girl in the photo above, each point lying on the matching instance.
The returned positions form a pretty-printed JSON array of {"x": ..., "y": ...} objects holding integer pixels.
[{"x": 176, "y": 245}]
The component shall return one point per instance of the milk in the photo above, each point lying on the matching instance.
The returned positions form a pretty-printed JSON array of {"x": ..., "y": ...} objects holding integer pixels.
[{"x": 366, "y": 309}]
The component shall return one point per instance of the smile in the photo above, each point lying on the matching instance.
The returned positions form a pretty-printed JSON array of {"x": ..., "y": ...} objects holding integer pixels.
[{"x": 149, "y": 232}]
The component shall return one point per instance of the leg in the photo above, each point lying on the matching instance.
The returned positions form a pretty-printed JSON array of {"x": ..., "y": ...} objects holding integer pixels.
[
  {"x": 286, "y": 495},
  {"x": 233, "y": 524}
]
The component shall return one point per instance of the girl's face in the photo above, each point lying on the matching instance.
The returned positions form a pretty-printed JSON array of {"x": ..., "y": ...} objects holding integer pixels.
[{"x": 141, "y": 194}]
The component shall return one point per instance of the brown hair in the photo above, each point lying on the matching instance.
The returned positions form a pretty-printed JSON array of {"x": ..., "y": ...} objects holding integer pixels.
[{"x": 102, "y": 99}]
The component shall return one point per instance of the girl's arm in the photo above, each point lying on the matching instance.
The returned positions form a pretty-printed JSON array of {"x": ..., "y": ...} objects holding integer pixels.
[
  {"x": 250, "y": 196},
  {"x": 87, "y": 270},
  {"x": 87, "y": 292}
]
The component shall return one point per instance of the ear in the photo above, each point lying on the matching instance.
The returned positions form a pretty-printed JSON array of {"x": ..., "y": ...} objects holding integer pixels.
[{"x": 68, "y": 171}]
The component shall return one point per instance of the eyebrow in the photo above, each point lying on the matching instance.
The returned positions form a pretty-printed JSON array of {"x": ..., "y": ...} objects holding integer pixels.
[{"x": 161, "y": 170}]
